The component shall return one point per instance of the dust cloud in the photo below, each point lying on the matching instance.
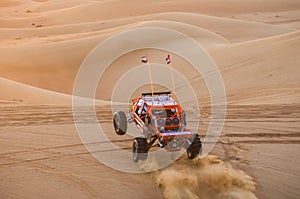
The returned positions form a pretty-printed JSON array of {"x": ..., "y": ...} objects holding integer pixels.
[{"x": 203, "y": 178}]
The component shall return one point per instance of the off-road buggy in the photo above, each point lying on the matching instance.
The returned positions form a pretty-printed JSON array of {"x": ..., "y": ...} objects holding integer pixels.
[{"x": 160, "y": 119}]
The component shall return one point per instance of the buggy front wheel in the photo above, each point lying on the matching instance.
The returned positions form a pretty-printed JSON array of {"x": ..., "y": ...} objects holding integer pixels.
[
  {"x": 139, "y": 149},
  {"x": 120, "y": 122},
  {"x": 195, "y": 148}
]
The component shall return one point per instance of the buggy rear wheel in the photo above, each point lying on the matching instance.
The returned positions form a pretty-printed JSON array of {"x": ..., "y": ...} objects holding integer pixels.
[
  {"x": 139, "y": 149},
  {"x": 120, "y": 122},
  {"x": 195, "y": 148}
]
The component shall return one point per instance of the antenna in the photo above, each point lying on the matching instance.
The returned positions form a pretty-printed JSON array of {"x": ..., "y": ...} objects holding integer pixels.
[
  {"x": 169, "y": 62},
  {"x": 151, "y": 82},
  {"x": 146, "y": 60}
]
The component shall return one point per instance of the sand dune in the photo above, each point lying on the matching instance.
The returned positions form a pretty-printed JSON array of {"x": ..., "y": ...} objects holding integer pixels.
[
  {"x": 61, "y": 45},
  {"x": 255, "y": 45},
  {"x": 22, "y": 93},
  {"x": 65, "y": 56},
  {"x": 270, "y": 61}
]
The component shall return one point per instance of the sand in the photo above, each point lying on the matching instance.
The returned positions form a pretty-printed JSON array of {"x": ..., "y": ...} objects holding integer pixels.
[{"x": 255, "y": 45}]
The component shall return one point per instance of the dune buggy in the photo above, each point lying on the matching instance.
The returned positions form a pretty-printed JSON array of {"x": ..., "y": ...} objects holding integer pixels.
[{"x": 160, "y": 119}]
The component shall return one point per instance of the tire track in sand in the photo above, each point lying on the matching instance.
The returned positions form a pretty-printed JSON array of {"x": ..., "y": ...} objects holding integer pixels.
[{"x": 81, "y": 184}]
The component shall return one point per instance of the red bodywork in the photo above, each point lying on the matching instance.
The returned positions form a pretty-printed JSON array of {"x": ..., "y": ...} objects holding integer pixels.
[{"x": 162, "y": 118}]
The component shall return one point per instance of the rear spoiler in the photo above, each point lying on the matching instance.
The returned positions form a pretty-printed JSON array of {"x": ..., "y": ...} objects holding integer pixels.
[{"x": 156, "y": 93}]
